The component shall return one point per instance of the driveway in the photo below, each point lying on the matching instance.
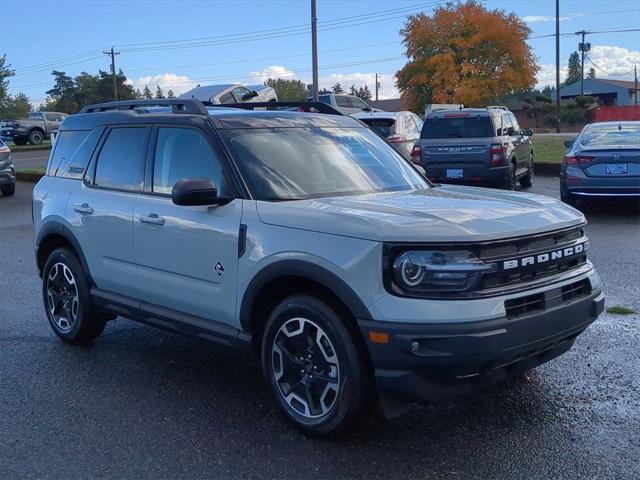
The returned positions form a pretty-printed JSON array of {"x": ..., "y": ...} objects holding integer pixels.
[{"x": 142, "y": 403}]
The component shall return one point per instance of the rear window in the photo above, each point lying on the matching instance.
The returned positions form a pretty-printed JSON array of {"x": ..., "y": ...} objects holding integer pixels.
[
  {"x": 384, "y": 126},
  {"x": 72, "y": 152},
  {"x": 121, "y": 160},
  {"x": 457, "y": 127},
  {"x": 614, "y": 136}
]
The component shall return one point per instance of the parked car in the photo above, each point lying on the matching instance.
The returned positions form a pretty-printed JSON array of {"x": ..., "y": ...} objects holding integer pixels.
[
  {"x": 604, "y": 161},
  {"x": 6, "y": 130},
  {"x": 482, "y": 146},
  {"x": 432, "y": 107},
  {"x": 345, "y": 104},
  {"x": 7, "y": 171},
  {"x": 306, "y": 239},
  {"x": 37, "y": 127},
  {"x": 401, "y": 129},
  {"x": 231, "y": 93}
]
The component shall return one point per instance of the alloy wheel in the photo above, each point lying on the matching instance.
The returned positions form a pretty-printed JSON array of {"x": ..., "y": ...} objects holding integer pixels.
[
  {"x": 305, "y": 367},
  {"x": 62, "y": 297}
]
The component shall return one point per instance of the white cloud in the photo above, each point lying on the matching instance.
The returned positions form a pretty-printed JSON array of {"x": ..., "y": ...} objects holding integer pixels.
[
  {"x": 272, "y": 71},
  {"x": 613, "y": 61},
  {"x": 547, "y": 75},
  {"x": 542, "y": 18},
  {"x": 167, "y": 81},
  {"x": 387, "y": 83}
]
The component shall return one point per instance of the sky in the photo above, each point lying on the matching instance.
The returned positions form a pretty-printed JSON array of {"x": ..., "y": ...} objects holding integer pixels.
[{"x": 179, "y": 44}]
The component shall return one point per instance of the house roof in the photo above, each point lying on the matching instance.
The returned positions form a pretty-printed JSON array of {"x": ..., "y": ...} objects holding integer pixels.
[
  {"x": 620, "y": 83},
  {"x": 389, "y": 105}
]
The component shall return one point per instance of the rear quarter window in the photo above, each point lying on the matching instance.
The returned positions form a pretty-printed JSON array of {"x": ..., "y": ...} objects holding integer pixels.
[
  {"x": 457, "y": 127},
  {"x": 72, "y": 152}
]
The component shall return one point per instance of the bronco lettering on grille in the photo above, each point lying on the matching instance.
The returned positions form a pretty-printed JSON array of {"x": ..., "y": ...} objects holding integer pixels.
[{"x": 543, "y": 257}]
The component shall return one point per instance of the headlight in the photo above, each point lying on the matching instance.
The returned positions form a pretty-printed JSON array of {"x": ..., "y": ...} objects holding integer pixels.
[{"x": 437, "y": 273}]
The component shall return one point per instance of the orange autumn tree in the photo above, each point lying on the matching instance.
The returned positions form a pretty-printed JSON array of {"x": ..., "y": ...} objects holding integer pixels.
[{"x": 466, "y": 54}]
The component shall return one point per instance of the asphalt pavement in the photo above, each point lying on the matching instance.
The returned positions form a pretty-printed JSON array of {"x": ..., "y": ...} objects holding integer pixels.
[
  {"x": 30, "y": 159},
  {"x": 142, "y": 403}
]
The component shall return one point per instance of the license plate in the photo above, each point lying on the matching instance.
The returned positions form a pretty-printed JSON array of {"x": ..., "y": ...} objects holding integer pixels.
[
  {"x": 616, "y": 169},
  {"x": 454, "y": 173}
]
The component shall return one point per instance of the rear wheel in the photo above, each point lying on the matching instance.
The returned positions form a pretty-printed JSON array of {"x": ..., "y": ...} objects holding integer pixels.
[
  {"x": 569, "y": 199},
  {"x": 527, "y": 180},
  {"x": 65, "y": 292},
  {"x": 36, "y": 137},
  {"x": 319, "y": 379},
  {"x": 8, "y": 189}
]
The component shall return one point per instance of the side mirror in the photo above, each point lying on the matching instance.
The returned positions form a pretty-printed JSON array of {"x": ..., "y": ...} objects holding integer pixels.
[
  {"x": 422, "y": 171},
  {"x": 196, "y": 191},
  {"x": 568, "y": 143},
  {"x": 527, "y": 132},
  {"x": 367, "y": 109}
]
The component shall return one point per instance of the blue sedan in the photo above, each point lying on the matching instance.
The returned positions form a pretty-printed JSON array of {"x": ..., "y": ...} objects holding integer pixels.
[{"x": 604, "y": 161}]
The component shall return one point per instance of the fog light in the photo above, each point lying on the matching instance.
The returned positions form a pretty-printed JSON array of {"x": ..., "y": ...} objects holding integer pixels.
[{"x": 415, "y": 347}]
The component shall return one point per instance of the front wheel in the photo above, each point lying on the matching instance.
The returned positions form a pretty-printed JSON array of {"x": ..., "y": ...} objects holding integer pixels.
[
  {"x": 527, "y": 180},
  {"x": 319, "y": 378},
  {"x": 36, "y": 137},
  {"x": 510, "y": 180},
  {"x": 67, "y": 301},
  {"x": 8, "y": 189}
]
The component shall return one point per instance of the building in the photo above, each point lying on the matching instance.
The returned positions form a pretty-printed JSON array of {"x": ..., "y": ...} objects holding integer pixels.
[
  {"x": 608, "y": 92},
  {"x": 389, "y": 105}
]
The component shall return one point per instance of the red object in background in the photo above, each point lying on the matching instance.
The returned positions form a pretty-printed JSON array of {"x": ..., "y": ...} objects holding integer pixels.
[{"x": 615, "y": 114}]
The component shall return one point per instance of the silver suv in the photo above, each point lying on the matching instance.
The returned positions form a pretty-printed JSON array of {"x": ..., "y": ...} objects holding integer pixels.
[{"x": 309, "y": 241}]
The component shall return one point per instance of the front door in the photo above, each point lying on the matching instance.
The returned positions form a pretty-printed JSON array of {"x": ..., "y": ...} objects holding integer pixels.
[{"x": 187, "y": 257}]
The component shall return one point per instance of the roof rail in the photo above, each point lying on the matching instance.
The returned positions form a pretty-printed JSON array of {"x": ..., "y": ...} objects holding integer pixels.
[
  {"x": 312, "y": 107},
  {"x": 178, "y": 105},
  {"x": 497, "y": 107}
]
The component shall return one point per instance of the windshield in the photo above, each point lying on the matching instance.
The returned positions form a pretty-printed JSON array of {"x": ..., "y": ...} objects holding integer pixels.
[
  {"x": 35, "y": 115},
  {"x": 613, "y": 136},
  {"x": 457, "y": 126},
  {"x": 384, "y": 126},
  {"x": 299, "y": 163}
]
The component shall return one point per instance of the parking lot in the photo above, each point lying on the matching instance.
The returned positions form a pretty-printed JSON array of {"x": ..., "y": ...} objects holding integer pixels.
[{"x": 142, "y": 403}]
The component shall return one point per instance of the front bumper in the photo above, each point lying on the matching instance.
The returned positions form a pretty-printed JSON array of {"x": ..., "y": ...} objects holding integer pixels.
[{"x": 426, "y": 362}]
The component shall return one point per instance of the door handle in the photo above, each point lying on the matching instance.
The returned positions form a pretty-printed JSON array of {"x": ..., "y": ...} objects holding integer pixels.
[
  {"x": 152, "y": 219},
  {"x": 83, "y": 208}
]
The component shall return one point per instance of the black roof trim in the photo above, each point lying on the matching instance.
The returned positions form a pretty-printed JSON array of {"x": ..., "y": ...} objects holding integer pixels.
[{"x": 178, "y": 105}]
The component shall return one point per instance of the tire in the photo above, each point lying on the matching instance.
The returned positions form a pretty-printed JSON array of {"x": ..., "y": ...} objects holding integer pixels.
[
  {"x": 510, "y": 181},
  {"x": 19, "y": 141},
  {"x": 36, "y": 137},
  {"x": 65, "y": 292},
  {"x": 527, "y": 180},
  {"x": 569, "y": 199},
  {"x": 305, "y": 333},
  {"x": 8, "y": 189}
]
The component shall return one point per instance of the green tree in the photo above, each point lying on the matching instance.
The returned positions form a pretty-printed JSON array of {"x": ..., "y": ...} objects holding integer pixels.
[
  {"x": 62, "y": 96},
  {"x": 591, "y": 73},
  {"x": 14, "y": 107},
  {"x": 353, "y": 90},
  {"x": 159, "y": 93},
  {"x": 337, "y": 88},
  {"x": 573, "y": 71},
  {"x": 288, "y": 90},
  {"x": 170, "y": 94},
  {"x": 5, "y": 74},
  {"x": 364, "y": 93},
  {"x": 146, "y": 93}
]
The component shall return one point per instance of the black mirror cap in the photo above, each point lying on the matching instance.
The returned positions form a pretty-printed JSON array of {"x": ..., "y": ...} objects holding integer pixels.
[
  {"x": 194, "y": 191},
  {"x": 568, "y": 143},
  {"x": 527, "y": 132}
]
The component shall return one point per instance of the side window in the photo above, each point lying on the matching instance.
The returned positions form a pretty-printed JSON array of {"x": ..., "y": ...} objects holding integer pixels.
[
  {"x": 358, "y": 103},
  {"x": 227, "y": 98},
  {"x": 72, "y": 152},
  {"x": 418, "y": 121},
  {"x": 514, "y": 122},
  {"x": 121, "y": 160},
  {"x": 506, "y": 125},
  {"x": 183, "y": 153},
  {"x": 343, "y": 101},
  {"x": 51, "y": 117},
  {"x": 242, "y": 94}
]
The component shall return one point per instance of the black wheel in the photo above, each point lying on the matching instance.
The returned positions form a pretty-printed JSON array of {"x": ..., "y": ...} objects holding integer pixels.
[
  {"x": 36, "y": 137},
  {"x": 510, "y": 180},
  {"x": 65, "y": 292},
  {"x": 527, "y": 180},
  {"x": 569, "y": 199},
  {"x": 321, "y": 382},
  {"x": 8, "y": 189},
  {"x": 20, "y": 140}
]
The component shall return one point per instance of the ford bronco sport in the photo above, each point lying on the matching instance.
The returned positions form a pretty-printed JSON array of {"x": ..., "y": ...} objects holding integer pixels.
[{"x": 309, "y": 240}]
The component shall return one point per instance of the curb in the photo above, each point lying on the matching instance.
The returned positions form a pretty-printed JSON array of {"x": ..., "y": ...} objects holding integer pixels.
[
  {"x": 18, "y": 149},
  {"x": 29, "y": 177}
]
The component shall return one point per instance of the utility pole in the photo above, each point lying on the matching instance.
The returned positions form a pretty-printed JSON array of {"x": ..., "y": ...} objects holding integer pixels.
[
  {"x": 377, "y": 87},
  {"x": 584, "y": 48},
  {"x": 113, "y": 54},
  {"x": 557, "y": 66},
  {"x": 314, "y": 49}
]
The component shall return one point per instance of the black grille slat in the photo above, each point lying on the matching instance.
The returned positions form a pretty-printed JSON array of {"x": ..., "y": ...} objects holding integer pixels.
[{"x": 551, "y": 298}]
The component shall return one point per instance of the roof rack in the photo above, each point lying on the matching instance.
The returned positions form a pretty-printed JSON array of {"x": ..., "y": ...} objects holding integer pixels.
[
  {"x": 497, "y": 107},
  {"x": 178, "y": 105},
  {"x": 311, "y": 107}
]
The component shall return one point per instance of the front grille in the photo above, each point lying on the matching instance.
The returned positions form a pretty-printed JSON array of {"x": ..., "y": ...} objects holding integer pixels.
[{"x": 551, "y": 298}]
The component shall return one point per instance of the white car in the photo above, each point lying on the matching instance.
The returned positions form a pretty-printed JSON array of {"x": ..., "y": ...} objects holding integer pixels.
[
  {"x": 231, "y": 93},
  {"x": 401, "y": 129}
]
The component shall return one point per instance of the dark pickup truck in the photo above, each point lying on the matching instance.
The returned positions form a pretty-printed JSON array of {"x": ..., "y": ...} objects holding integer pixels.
[{"x": 35, "y": 128}]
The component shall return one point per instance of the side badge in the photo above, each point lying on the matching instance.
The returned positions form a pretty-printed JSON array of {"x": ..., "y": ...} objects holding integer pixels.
[{"x": 219, "y": 269}]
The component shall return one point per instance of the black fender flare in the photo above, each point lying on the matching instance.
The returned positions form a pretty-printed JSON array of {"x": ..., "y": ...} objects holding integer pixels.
[
  {"x": 307, "y": 270},
  {"x": 59, "y": 229}
]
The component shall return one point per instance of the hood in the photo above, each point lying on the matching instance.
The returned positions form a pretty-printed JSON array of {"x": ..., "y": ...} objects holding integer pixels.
[{"x": 440, "y": 214}]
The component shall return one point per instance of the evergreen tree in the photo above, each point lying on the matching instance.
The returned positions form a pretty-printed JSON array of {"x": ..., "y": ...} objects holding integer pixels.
[
  {"x": 337, "y": 88},
  {"x": 287, "y": 89},
  {"x": 159, "y": 93},
  {"x": 170, "y": 94},
  {"x": 146, "y": 93},
  {"x": 353, "y": 91},
  {"x": 5, "y": 74},
  {"x": 591, "y": 73},
  {"x": 574, "y": 71}
]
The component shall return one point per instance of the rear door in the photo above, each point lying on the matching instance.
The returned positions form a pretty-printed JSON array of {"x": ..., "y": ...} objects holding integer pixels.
[
  {"x": 101, "y": 208},
  {"x": 187, "y": 257}
]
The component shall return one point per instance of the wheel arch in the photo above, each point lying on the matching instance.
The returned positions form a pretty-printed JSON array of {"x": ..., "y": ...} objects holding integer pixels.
[{"x": 55, "y": 235}]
